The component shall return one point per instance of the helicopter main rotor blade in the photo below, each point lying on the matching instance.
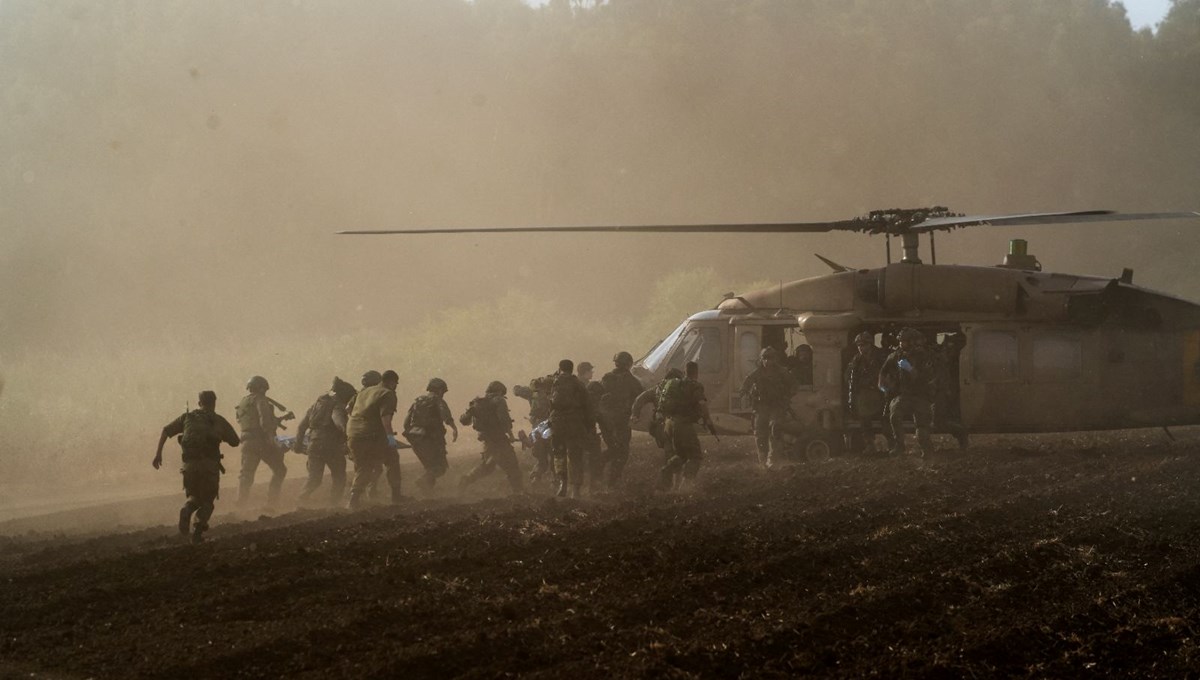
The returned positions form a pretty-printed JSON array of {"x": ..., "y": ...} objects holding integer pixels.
[
  {"x": 752, "y": 228},
  {"x": 948, "y": 223}
]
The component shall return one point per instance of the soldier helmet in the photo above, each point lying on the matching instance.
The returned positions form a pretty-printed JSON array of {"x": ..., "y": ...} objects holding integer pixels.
[
  {"x": 342, "y": 389},
  {"x": 496, "y": 387},
  {"x": 864, "y": 338},
  {"x": 585, "y": 366},
  {"x": 437, "y": 385},
  {"x": 256, "y": 383},
  {"x": 390, "y": 376},
  {"x": 673, "y": 373},
  {"x": 371, "y": 378},
  {"x": 910, "y": 335},
  {"x": 623, "y": 359},
  {"x": 769, "y": 353}
]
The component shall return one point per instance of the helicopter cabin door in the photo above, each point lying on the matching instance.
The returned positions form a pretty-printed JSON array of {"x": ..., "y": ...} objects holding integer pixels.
[{"x": 747, "y": 343}]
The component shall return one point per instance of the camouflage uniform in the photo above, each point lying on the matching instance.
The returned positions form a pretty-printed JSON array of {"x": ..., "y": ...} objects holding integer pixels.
[
  {"x": 570, "y": 420},
  {"x": 538, "y": 396},
  {"x": 946, "y": 416},
  {"x": 770, "y": 388},
  {"x": 369, "y": 444},
  {"x": 321, "y": 435},
  {"x": 201, "y": 465},
  {"x": 259, "y": 425},
  {"x": 495, "y": 431},
  {"x": 910, "y": 394},
  {"x": 863, "y": 396},
  {"x": 425, "y": 428},
  {"x": 679, "y": 430},
  {"x": 595, "y": 457},
  {"x": 621, "y": 390}
]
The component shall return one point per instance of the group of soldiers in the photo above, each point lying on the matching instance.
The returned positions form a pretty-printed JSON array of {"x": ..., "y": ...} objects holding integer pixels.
[
  {"x": 911, "y": 382},
  {"x": 917, "y": 381},
  {"x": 572, "y": 413}
]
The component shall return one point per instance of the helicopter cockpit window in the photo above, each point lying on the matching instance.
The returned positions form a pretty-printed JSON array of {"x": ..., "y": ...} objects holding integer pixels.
[
  {"x": 1057, "y": 358},
  {"x": 655, "y": 357},
  {"x": 995, "y": 356},
  {"x": 702, "y": 345}
]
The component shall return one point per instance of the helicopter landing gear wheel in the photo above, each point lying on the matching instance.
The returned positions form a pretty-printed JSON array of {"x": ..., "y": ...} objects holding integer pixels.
[{"x": 818, "y": 450}]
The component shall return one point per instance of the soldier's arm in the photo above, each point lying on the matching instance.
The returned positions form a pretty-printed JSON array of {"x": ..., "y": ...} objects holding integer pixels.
[
  {"x": 639, "y": 402},
  {"x": 386, "y": 411},
  {"x": 228, "y": 434},
  {"x": 448, "y": 418},
  {"x": 173, "y": 428}
]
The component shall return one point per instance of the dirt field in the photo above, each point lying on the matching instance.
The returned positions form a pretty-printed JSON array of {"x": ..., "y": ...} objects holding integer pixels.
[{"x": 1046, "y": 557}]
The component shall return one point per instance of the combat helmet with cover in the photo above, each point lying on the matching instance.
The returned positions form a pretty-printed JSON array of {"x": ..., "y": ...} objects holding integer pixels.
[
  {"x": 257, "y": 383},
  {"x": 623, "y": 359},
  {"x": 437, "y": 385},
  {"x": 496, "y": 387},
  {"x": 371, "y": 378},
  {"x": 864, "y": 338}
]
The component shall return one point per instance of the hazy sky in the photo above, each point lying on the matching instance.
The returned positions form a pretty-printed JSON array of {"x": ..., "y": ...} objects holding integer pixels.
[{"x": 1144, "y": 13}]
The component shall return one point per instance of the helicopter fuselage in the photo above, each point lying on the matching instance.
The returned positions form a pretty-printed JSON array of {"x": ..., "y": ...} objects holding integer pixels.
[{"x": 1043, "y": 352}]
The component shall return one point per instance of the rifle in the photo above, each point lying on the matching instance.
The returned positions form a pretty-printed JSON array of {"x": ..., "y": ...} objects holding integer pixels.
[{"x": 285, "y": 417}]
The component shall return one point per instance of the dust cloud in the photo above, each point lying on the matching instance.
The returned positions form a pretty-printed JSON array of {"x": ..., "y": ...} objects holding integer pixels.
[{"x": 173, "y": 174}]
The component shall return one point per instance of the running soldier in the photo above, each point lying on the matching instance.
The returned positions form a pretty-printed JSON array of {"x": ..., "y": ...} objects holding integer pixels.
[
  {"x": 909, "y": 377},
  {"x": 650, "y": 396},
  {"x": 372, "y": 438},
  {"x": 321, "y": 435},
  {"x": 570, "y": 420},
  {"x": 490, "y": 418},
  {"x": 621, "y": 390},
  {"x": 684, "y": 404},
  {"x": 259, "y": 425},
  {"x": 201, "y": 433},
  {"x": 769, "y": 389},
  {"x": 537, "y": 393},
  {"x": 864, "y": 400},
  {"x": 425, "y": 428}
]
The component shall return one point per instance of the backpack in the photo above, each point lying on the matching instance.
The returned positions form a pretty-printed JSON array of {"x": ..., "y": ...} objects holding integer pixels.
[
  {"x": 669, "y": 400},
  {"x": 424, "y": 417},
  {"x": 199, "y": 430},
  {"x": 484, "y": 418}
]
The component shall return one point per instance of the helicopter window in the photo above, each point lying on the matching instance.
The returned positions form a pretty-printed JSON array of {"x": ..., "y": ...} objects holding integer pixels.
[
  {"x": 1057, "y": 358},
  {"x": 702, "y": 345},
  {"x": 655, "y": 357},
  {"x": 995, "y": 356}
]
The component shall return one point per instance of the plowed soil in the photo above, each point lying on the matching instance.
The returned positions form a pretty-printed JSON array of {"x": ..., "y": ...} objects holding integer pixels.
[{"x": 1037, "y": 557}]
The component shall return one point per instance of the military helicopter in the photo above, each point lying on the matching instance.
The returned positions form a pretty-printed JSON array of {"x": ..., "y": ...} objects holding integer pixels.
[{"x": 1043, "y": 352}]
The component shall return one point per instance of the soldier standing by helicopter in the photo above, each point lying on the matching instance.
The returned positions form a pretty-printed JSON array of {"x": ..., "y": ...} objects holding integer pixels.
[
  {"x": 769, "y": 387},
  {"x": 946, "y": 416},
  {"x": 321, "y": 435},
  {"x": 864, "y": 400},
  {"x": 259, "y": 425},
  {"x": 909, "y": 377},
  {"x": 621, "y": 390}
]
